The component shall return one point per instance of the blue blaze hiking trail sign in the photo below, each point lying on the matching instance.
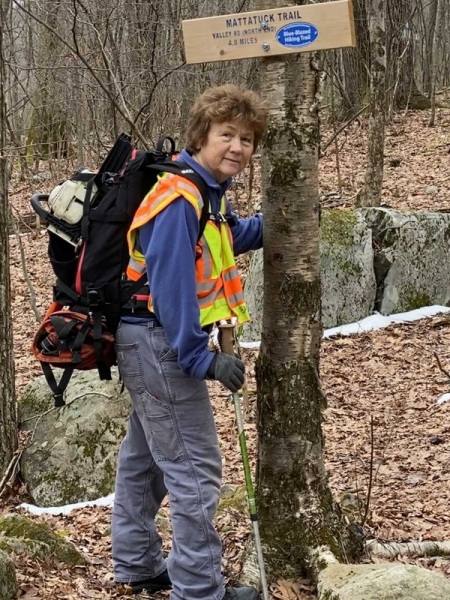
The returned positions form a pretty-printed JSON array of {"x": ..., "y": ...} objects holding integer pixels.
[{"x": 271, "y": 32}]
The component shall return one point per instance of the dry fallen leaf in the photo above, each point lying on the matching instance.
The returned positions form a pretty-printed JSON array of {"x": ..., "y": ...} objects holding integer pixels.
[{"x": 390, "y": 375}]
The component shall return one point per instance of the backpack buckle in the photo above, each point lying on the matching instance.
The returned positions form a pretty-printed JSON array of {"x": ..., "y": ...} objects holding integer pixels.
[
  {"x": 218, "y": 217},
  {"x": 93, "y": 299}
]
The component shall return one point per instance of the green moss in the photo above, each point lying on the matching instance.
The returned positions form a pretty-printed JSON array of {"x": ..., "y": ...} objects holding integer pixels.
[
  {"x": 299, "y": 512},
  {"x": 430, "y": 228},
  {"x": 350, "y": 268},
  {"x": 298, "y": 295},
  {"x": 420, "y": 102},
  {"x": 18, "y": 526},
  {"x": 32, "y": 404},
  {"x": 32, "y": 548},
  {"x": 236, "y": 499},
  {"x": 71, "y": 490},
  {"x": 8, "y": 580},
  {"x": 337, "y": 227},
  {"x": 91, "y": 441},
  {"x": 95, "y": 446},
  {"x": 285, "y": 170},
  {"x": 337, "y": 232},
  {"x": 414, "y": 300}
]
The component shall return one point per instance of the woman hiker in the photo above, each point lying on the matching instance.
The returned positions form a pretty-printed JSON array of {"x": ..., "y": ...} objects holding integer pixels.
[{"x": 171, "y": 444}]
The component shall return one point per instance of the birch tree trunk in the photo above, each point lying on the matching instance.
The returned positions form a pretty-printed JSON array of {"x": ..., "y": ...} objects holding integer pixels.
[
  {"x": 8, "y": 415},
  {"x": 370, "y": 195},
  {"x": 295, "y": 504}
]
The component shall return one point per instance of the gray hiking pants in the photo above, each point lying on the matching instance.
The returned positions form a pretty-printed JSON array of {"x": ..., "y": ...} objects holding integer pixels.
[{"x": 171, "y": 446}]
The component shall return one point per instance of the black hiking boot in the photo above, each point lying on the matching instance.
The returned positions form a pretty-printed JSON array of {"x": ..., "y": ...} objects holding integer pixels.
[
  {"x": 152, "y": 585},
  {"x": 241, "y": 593}
]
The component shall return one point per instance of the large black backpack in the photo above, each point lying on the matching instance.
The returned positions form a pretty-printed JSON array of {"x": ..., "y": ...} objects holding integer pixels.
[{"x": 89, "y": 256}]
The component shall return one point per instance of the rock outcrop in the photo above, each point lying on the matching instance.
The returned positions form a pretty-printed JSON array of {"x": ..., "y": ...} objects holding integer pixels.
[
  {"x": 389, "y": 581},
  {"x": 72, "y": 456},
  {"x": 371, "y": 259},
  {"x": 20, "y": 534},
  {"x": 411, "y": 258}
]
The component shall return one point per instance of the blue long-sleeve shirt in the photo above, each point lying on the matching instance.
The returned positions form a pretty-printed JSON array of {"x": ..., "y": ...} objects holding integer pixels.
[{"x": 168, "y": 243}]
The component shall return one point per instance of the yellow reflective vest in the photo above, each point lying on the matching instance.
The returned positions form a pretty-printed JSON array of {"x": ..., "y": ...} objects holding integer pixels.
[{"x": 219, "y": 287}]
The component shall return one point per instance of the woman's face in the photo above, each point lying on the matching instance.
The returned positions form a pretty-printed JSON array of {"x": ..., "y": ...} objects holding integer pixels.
[{"x": 227, "y": 149}]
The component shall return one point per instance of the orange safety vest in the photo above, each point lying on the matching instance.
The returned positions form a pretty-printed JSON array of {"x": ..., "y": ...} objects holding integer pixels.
[{"x": 219, "y": 287}]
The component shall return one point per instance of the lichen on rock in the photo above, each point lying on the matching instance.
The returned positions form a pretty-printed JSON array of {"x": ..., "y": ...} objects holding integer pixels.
[
  {"x": 21, "y": 534},
  {"x": 388, "y": 581},
  {"x": 8, "y": 580},
  {"x": 72, "y": 457}
]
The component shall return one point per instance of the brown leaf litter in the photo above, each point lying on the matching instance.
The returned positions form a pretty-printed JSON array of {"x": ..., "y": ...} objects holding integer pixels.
[{"x": 381, "y": 388}]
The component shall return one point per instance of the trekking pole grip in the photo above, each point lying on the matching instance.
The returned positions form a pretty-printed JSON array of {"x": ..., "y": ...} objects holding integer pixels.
[{"x": 227, "y": 339}]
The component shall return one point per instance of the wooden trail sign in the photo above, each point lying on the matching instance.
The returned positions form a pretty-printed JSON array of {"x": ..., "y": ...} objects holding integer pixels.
[{"x": 270, "y": 32}]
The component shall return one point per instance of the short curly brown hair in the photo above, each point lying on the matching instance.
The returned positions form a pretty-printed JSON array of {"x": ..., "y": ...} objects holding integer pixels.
[{"x": 225, "y": 103}]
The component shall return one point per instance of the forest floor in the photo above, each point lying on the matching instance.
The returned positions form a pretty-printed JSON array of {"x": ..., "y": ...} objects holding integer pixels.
[{"x": 381, "y": 387}]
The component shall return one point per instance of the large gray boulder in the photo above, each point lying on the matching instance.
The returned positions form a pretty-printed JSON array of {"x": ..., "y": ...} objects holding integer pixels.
[
  {"x": 8, "y": 581},
  {"x": 408, "y": 269},
  {"x": 389, "y": 581},
  {"x": 346, "y": 266},
  {"x": 411, "y": 258},
  {"x": 347, "y": 272},
  {"x": 72, "y": 456}
]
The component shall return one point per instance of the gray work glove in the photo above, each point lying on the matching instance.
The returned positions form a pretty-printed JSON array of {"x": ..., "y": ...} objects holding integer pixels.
[{"x": 227, "y": 369}]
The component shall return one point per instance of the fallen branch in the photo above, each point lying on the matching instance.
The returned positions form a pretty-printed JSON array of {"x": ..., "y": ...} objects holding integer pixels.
[
  {"x": 319, "y": 559},
  {"x": 11, "y": 471},
  {"x": 250, "y": 574},
  {"x": 411, "y": 549}
]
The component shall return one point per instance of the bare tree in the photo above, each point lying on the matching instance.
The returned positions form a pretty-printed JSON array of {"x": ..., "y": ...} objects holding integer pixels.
[
  {"x": 8, "y": 414},
  {"x": 351, "y": 68},
  {"x": 434, "y": 9},
  {"x": 370, "y": 195},
  {"x": 115, "y": 67}
]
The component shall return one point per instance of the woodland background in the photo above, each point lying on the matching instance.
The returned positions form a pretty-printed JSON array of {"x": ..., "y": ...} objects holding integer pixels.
[{"x": 78, "y": 73}]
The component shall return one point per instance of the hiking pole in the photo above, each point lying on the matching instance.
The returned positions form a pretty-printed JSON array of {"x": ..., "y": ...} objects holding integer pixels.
[{"x": 227, "y": 346}]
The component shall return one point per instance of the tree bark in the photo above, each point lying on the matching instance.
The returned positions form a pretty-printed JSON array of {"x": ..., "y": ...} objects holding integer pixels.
[
  {"x": 295, "y": 504},
  {"x": 370, "y": 195},
  {"x": 8, "y": 413},
  {"x": 434, "y": 9},
  {"x": 353, "y": 67}
]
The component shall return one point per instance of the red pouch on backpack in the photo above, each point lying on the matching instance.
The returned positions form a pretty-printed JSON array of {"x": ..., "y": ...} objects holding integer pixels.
[{"x": 69, "y": 340}]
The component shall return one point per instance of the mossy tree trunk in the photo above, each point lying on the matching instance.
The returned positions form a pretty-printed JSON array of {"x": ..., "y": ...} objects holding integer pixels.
[
  {"x": 8, "y": 415},
  {"x": 295, "y": 504},
  {"x": 370, "y": 195}
]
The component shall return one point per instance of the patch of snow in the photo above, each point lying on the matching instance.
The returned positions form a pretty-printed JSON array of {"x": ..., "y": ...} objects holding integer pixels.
[
  {"x": 375, "y": 321},
  {"x": 444, "y": 398},
  {"x": 65, "y": 510}
]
